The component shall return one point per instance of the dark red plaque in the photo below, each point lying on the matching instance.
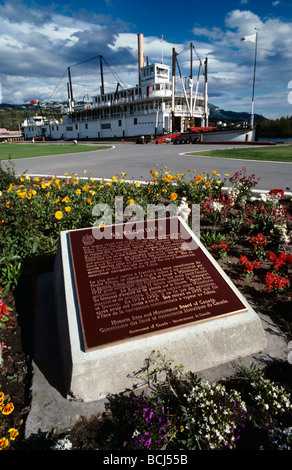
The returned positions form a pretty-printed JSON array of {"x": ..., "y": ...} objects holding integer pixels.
[{"x": 144, "y": 278}]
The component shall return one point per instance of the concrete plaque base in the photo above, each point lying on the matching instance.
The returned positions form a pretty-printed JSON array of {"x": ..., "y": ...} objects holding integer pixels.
[{"x": 93, "y": 374}]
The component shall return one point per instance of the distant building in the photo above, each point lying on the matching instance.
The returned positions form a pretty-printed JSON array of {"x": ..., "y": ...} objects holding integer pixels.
[{"x": 10, "y": 136}]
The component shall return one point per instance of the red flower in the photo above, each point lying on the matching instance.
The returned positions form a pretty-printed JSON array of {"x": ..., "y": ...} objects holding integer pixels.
[
  {"x": 258, "y": 240},
  {"x": 279, "y": 261},
  {"x": 247, "y": 265},
  {"x": 274, "y": 281},
  {"x": 277, "y": 191},
  {"x": 3, "y": 309},
  {"x": 221, "y": 246}
]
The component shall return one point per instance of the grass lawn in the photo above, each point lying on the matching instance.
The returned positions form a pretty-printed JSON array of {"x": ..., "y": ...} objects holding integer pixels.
[
  {"x": 14, "y": 150},
  {"x": 273, "y": 154}
]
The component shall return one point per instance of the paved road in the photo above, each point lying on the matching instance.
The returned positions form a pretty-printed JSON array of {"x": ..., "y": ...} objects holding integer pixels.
[{"x": 137, "y": 160}]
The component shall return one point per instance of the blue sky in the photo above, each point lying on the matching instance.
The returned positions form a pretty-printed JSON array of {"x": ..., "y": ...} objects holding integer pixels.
[{"x": 39, "y": 40}]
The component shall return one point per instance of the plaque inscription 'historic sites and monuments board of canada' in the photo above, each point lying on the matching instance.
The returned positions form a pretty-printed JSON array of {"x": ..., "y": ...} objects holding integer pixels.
[{"x": 139, "y": 279}]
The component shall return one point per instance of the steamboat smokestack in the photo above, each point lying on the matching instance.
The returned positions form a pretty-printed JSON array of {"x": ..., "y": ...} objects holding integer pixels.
[{"x": 140, "y": 56}]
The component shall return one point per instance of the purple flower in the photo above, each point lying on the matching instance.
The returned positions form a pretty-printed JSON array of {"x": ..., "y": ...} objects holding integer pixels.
[{"x": 148, "y": 443}]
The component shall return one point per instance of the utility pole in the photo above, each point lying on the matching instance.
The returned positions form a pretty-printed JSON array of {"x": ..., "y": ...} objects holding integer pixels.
[
  {"x": 253, "y": 38},
  {"x": 253, "y": 83},
  {"x": 101, "y": 76},
  {"x": 70, "y": 85},
  {"x": 206, "y": 94},
  {"x": 173, "y": 88}
]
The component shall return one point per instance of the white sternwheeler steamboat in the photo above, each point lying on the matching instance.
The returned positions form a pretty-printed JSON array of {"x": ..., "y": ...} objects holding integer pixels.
[{"x": 162, "y": 107}]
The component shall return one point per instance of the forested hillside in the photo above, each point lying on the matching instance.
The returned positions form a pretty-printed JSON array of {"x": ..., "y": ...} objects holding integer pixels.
[
  {"x": 12, "y": 119},
  {"x": 278, "y": 128}
]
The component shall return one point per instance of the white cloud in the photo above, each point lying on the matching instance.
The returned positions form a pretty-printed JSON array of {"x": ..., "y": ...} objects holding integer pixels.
[
  {"x": 42, "y": 45},
  {"x": 38, "y": 45},
  {"x": 231, "y": 61}
]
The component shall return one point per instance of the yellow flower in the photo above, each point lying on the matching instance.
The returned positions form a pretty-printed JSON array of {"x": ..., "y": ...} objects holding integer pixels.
[
  {"x": 78, "y": 191},
  {"x": 89, "y": 201},
  {"x": 58, "y": 215},
  {"x": 86, "y": 187},
  {"x": 48, "y": 194},
  {"x": 92, "y": 193},
  {"x": 66, "y": 199},
  {"x": 164, "y": 190},
  {"x": 37, "y": 178},
  {"x": 137, "y": 184},
  {"x": 1, "y": 397},
  {"x": 8, "y": 408},
  {"x": 44, "y": 185},
  {"x": 214, "y": 172},
  {"x": 114, "y": 178},
  {"x": 21, "y": 194},
  {"x": 108, "y": 183},
  {"x": 198, "y": 179},
  {"x": 13, "y": 433},
  {"x": 67, "y": 209},
  {"x": 131, "y": 201},
  {"x": 173, "y": 196},
  {"x": 66, "y": 174},
  {"x": 226, "y": 174}
]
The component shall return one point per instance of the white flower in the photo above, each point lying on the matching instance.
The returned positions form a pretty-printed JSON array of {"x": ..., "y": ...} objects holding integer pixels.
[
  {"x": 63, "y": 444},
  {"x": 217, "y": 206},
  {"x": 183, "y": 210}
]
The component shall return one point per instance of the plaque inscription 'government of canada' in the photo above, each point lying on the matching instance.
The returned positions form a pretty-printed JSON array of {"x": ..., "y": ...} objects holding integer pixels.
[{"x": 144, "y": 278}]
